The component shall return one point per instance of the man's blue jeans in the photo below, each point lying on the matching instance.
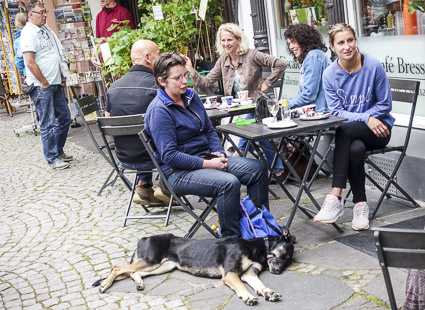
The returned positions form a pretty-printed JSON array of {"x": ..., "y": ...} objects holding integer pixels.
[
  {"x": 226, "y": 186},
  {"x": 268, "y": 154},
  {"x": 145, "y": 176},
  {"x": 55, "y": 118}
]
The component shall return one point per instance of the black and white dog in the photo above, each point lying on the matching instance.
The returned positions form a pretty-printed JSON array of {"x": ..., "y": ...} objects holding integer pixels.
[{"x": 233, "y": 260}]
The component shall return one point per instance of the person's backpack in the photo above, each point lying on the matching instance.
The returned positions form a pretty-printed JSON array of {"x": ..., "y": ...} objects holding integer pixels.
[
  {"x": 256, "y": 221},
  {"x": 261, "y": 110}
]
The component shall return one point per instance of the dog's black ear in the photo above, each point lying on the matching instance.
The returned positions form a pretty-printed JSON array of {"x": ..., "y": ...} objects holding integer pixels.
[
  {"x": 286, "y": 235},
  {"x": 285, "y": 232}
]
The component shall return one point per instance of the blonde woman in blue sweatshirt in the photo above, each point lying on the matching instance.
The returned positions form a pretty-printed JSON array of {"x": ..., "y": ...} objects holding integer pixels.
[{"x": 357, "y": 88}]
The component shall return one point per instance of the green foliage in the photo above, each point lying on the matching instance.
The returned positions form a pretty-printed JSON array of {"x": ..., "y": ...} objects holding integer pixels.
[
  {"x": 179, "y": 31},
  {"x": 416, "y": 5},
  {"x": 120, "y": 43},
  {"x": 176, "y": 30}
]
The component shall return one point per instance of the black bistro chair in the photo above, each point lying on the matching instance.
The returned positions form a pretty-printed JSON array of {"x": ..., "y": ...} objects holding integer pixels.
[
  {"x": 86, "y": 106},
  {"x": 404, "y": 91},
  {"x": 126, "y": 126},
  {"x": 401, "y": 248},
  {"x": 181, "y": 200}
]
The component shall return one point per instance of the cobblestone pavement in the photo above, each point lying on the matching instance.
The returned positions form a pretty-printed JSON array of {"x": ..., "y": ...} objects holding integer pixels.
[{"x": 57, "y": 237}]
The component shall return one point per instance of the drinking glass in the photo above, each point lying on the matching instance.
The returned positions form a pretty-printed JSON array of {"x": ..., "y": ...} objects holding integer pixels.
[{"x": 273, "y": 107}]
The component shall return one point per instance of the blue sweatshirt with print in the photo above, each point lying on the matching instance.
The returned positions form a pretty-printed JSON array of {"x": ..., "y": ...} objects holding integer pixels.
[
  {"x": 180, "y": 134},
  {"x": 361, "y": 94}
]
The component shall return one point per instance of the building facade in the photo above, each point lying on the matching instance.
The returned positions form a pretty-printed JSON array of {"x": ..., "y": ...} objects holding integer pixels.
[{"x": 385, "y": 29}]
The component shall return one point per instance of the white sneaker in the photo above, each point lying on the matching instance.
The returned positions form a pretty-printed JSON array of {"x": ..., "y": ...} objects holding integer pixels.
[
  {"x": 59, "y": 165},
  {"x": 66, "y": 158},
  {"x": 360, "y": 216},
  {"x": 331, "y": 210}
]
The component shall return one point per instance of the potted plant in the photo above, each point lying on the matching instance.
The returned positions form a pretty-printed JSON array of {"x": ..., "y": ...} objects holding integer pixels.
[
  {"x": 416, "y": 5},
  {"x": 181, "y": 30}
]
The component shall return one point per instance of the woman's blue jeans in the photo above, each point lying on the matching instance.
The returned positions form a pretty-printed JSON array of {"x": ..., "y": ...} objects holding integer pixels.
[
  {"x": 226, "y": 186},
  {"x": 142, "y": 176},
  {"x": 268, "y": 154},
  {"x": 55, "y": 118}
]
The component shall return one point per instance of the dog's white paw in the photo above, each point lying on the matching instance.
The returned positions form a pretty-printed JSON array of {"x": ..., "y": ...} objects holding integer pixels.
[
  {"x": 103, "y": 288},
  {"x": 140, "y": 286},
  {"x": 270, "y": 295},
  {"x": 251, "y": 300}
]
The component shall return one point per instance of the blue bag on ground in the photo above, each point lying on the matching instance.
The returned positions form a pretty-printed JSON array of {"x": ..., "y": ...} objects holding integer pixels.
[{"x": 260, "y": 223}]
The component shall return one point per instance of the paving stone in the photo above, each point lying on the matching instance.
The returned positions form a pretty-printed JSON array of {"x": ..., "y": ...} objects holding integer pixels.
[
  {"x": 156, "y": 302},
  {"x": 359, "y": 303},
  {"x": 174, "y": 304},
  {"x": 140, "y": 306},
  {"x": 377, "y": 286},
  {"x": 347, "y": 256}
]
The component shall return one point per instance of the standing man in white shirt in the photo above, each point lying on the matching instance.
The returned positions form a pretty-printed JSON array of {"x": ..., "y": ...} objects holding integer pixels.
[{"x": 43, "y": 63}]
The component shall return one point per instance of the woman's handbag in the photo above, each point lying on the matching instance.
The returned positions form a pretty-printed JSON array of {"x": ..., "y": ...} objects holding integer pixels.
[
  {"x": 261, "y": 110},
  {"x": 257, "y": 222},
  {"x": 292, "y": 154}
]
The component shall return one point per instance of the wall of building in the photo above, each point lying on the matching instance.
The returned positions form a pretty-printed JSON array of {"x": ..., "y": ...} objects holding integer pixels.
[{"x": 402, "y": 56}]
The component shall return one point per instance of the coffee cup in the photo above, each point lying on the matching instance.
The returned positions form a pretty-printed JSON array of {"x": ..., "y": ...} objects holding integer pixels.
[
  {"x": 227, "y": 100},
  {"x": 243, "y": 95},
  {"x": 212, "y": 101}
]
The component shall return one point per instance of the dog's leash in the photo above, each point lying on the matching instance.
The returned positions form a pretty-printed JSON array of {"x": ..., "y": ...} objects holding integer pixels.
[{"x": 249, "y": 220}]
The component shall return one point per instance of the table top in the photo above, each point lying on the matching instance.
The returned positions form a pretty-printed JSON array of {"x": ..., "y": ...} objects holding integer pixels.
[
  {"x": 258, "y": 131},
  {"x": 214, "y": 114}
]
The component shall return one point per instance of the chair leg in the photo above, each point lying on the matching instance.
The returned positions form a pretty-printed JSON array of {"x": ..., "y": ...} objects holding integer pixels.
[
  {"x": 202, "y": 217},
  {"x": 130, "y": 201},
  {"x": 170, "y": 205},
  {"x": 381, "y": 198},
  {"x": 391, "y": 181},
  {"x": 347, "y": 195},
  {"x": 389, "y": 286},
  {"x": 114, "y": 180},
  {"x": 107, "y": 183}
]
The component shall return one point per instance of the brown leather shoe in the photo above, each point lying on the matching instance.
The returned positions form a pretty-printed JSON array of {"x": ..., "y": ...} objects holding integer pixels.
[
  {"x": 162, "y": 193},
  {"x": 145, "y": 196}
]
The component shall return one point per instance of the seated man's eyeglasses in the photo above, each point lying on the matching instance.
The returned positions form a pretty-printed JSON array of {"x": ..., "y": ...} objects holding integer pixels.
[
  {"x": 41, "y": 12},
  {"x": 180, "y": 77}
]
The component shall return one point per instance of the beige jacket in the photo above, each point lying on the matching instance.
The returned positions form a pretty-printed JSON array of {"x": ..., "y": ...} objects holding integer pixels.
[{"x": 250, "y": 70}]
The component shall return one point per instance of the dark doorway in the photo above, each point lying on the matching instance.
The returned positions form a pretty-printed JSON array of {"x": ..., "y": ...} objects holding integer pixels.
[{"x": 132, "y": 6}]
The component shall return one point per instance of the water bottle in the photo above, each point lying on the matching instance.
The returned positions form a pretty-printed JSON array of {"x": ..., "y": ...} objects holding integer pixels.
[{"x": 286, "y": 112}]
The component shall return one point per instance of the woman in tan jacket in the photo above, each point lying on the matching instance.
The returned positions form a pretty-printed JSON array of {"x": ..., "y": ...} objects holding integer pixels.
[{"x": 241, "y": 69}]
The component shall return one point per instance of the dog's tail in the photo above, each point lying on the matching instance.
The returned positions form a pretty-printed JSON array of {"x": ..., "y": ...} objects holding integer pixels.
[{"x": 97, "y": 283}]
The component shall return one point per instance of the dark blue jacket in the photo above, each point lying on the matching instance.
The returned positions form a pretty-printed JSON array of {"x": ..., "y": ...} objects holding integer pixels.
[
  {"x": 181, "y": 134},
  {"x": 130, "y": 95}
]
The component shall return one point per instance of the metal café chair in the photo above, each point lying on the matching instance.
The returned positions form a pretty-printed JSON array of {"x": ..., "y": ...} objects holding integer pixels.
[
  {"x": 405, "y": 91},
  {"x": 401, "y": 248},
  {"x": 87, "y": 106},
  {"x": 181, "y": 200},
  {"x": 128, "y": 125}
]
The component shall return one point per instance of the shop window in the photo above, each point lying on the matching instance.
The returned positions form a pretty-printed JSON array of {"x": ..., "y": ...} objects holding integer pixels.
[
  {"x": 389, "y": 18},
  {"x": 312, "y": 12}
]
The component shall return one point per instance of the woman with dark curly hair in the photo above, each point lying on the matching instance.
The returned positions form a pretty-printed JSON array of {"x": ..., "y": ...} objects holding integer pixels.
[{"x": 306, "y": 46}]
